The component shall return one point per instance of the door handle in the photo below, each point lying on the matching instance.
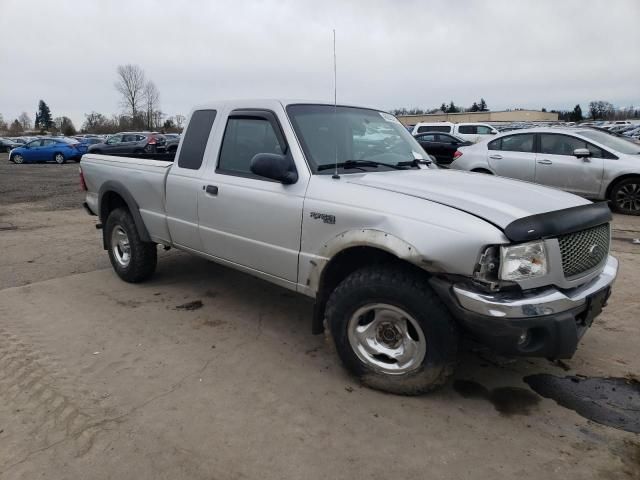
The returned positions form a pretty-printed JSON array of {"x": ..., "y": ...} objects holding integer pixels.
[
  {"x": 496, "y": 157},
  {"x": 545, "y": 162},
  {"x": 211, "y": 189}
]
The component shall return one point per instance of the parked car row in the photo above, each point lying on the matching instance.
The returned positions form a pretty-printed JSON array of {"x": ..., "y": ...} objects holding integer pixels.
[{"x": 62, "y": 149}]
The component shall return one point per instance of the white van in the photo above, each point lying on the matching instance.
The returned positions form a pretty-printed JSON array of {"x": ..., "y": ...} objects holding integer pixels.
[{"x": 473, "y": 132}]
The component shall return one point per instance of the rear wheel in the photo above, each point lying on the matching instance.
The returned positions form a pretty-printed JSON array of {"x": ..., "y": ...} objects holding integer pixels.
[
  {"x": 131, "y": 258},
  {"x": 59, "y": 158},
  {"x": 625, "y": 196},
  {"x": 391, "y": 331}
]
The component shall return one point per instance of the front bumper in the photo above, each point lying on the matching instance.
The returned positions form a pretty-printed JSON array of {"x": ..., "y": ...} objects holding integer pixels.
[{"x": 546, "y": 322}]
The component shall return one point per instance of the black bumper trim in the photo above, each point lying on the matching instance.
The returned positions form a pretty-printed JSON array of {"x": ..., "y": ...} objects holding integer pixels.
[{"x": 551, "y": 336}]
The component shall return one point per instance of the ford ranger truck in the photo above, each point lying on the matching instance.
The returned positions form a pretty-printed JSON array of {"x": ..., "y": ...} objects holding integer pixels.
[{"x": 341, "y": 204}]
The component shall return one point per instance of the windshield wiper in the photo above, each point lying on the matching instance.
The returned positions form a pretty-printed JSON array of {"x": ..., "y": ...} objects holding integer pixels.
[
  {"x": 414, "y": 163},
  {"x": 349, "y": 164}
]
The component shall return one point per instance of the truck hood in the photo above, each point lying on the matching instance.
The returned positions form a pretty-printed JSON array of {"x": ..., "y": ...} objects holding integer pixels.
[{"x": 497, "y": 200}]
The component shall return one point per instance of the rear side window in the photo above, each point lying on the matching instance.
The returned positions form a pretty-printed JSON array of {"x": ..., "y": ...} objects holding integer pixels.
[
  {"x": 244, "y": 138},
  {"x": 468, "y": 129},
  {"x": 195, "y": 139},
  {"x": 483, "y": 130},
  {"x": 434, "y": 128},
  {"x": 429, "y": 137},
  {"x": 517, "y": 143}
]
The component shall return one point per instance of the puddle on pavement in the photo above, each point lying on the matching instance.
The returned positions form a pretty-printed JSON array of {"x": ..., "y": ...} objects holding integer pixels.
[
  {"x": 614, "y": 402},
  {"x": 506, "y": 400}
]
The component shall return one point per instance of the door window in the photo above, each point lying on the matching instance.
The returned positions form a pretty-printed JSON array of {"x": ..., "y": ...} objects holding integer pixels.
[
  {"x": 483, "y": 130},
  {"x": 243, "y": 139},
  {"x": 48, "y": 143},
  {"x": 115, "y": 139},
  {"x": 128, "y": 138},
  {"x": 430, "y": 137},
  {"x": 554, "y": 144},
  {"x": 34, "y": 143}
]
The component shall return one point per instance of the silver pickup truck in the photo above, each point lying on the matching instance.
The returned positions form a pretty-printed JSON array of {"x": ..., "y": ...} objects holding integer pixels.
[{"x": 341, "y": 204}]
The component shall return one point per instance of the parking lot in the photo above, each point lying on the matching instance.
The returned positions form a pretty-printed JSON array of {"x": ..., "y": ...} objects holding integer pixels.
[{"x": 207, "y": 373}]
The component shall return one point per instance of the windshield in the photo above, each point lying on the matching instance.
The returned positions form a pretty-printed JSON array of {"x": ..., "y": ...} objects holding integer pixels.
[
  {"x": 615, "y": 143},
  {"x": 328, "y": 133}
]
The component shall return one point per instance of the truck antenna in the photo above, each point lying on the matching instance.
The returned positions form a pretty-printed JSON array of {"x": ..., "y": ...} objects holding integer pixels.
[{"x": 335, "y": 107}]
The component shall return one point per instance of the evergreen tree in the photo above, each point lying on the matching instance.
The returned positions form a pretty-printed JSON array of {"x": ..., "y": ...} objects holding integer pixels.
[
  {"x": 44, "y": 119},
  {"x": 474, "y": 107},
  {"x": 483, "y": 106},
  {"x": 452, "y": 108},
  {"x": 576, "y": 115},
  {"x": 443, "y": 107},
  {"x": 36, "y": 125}
]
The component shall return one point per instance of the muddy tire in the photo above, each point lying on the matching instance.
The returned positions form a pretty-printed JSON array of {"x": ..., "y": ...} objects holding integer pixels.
[
  {"x": 391, "y": 330},
  {"x": 625, "y": 196},
  {"x": 132, "y": 259}
]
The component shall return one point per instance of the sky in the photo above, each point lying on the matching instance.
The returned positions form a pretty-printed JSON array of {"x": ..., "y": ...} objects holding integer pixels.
[{"x": 390, "y": 53}]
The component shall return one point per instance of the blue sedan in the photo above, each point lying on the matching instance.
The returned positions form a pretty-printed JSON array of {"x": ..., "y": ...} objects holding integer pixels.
[{"x": 58, "y": 150}]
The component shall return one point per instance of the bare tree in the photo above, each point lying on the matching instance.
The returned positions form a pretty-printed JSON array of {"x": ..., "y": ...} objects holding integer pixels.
[
  {"x": 180, "y": 119},
  {"x": 25, "y": 121},
  {"x": 152, "y": 103},
  {"x": 131, "y": 85}
]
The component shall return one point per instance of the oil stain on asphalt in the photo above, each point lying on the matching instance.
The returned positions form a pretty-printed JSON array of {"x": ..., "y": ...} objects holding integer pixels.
[
  {"x": 506, "y": 400},
  {"x": 614, "y": 402}
]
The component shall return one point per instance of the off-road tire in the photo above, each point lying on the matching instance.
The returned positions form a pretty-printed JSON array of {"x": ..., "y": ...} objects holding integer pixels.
[
  {"x": 617, "y": 190},
  {"x": 144, "y": 255},
  {"x": 408, "y": 290}
]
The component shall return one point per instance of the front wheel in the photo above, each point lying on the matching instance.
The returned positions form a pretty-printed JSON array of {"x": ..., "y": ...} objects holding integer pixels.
[
  {"x": 625, "y": 196},
  {"x": 132, "y": 259},
  {"x": 59, "y": 158},
  {"x": 391, "y": 330},
  {"x": 17, "y": 158}
]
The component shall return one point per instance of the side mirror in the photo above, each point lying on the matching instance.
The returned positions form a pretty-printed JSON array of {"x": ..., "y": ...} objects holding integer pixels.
[
  {"x": 581, "y": 153},
  {"x": 274, "y": 166}
]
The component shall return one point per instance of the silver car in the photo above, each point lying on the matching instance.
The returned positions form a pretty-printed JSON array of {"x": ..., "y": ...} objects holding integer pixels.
[{"x": 584, "y": 161}]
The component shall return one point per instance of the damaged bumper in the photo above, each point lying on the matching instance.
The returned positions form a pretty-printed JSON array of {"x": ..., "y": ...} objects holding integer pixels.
[{"x": 546, "y": 322}]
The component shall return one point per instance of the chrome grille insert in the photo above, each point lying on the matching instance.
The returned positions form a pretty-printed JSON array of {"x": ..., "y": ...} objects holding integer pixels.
[{"x": 582, "y": 251}]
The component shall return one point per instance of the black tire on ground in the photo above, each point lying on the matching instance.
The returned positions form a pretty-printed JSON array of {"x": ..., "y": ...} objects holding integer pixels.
[
  {"x": 625, "y": 196},
  {"x": 402, "y": 288},
  {"x": 59, "y": 158},
  {"x": 143, "y": 256}
]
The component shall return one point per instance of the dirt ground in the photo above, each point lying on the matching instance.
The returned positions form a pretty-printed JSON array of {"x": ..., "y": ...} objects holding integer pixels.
[{"x": 101, "y": 379}]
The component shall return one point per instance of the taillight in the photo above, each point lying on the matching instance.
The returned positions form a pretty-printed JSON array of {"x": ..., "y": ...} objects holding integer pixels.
[
  {"x": 458, "y": 154},
  {"x": 83, "y": 184}
]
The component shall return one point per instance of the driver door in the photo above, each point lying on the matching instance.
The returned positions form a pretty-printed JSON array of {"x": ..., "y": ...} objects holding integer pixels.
[
  {"x": 246, "y": 219},
  {"x": 34, "y": 152}
]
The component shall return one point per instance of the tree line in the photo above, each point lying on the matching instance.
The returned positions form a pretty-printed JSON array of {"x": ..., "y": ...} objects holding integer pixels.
[
  {"x": 139, "y": 100},
  {"x": 597, "y": 110},
  {"x": 451, "y": 107}
]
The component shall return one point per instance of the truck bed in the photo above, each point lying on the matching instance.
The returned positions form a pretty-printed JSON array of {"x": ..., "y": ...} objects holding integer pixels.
[{"x": 144, "y": 178}]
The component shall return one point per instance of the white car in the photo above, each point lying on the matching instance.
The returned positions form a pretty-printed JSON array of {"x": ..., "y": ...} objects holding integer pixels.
[
  {"x": 472, "y": 132},
  {"x": 584, "y": 161}
]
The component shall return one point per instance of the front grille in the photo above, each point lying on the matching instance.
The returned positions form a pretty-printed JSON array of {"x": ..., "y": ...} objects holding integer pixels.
[{"x": 584, "y": 250}]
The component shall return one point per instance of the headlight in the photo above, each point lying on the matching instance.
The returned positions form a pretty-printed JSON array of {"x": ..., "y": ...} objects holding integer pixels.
[{"x": 520, "y": 262}]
